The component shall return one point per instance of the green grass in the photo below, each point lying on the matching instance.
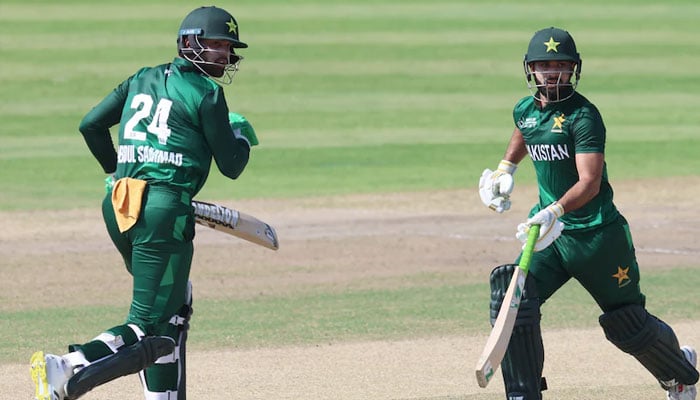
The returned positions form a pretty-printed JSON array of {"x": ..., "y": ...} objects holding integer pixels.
[
  {"x": 323, "y": 317},
  {"x": 70, "y": 178},
  {"x": 346, "y": 97}
]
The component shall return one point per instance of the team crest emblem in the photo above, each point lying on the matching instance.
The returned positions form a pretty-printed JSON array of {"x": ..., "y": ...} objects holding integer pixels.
[
  {"x": 622, "y": 278},
  {"x": 552, "y": 45},
  {"x": 232, "y": 27}
]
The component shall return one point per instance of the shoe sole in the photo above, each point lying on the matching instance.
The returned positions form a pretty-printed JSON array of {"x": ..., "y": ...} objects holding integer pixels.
[{"x": 38, "y": 371}]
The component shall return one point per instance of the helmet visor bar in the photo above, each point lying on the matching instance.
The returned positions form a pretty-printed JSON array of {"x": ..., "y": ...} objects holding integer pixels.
[
  {"x": 555, "y": 85},
  {"x": 221, "y": 65}
]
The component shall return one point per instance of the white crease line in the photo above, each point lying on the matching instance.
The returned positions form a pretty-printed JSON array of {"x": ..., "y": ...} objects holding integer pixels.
[
  {"x": 480, "y": 237},
  {"x": 668, "y": 251}
]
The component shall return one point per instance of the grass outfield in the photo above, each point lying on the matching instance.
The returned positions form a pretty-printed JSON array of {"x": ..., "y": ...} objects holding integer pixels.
[
  {"x": 322, "y": 317},
  {"x": 347, "y": 97}
]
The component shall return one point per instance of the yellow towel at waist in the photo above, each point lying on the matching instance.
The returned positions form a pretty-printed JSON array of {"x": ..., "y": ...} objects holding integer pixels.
[{"x": 127, "y": 195}]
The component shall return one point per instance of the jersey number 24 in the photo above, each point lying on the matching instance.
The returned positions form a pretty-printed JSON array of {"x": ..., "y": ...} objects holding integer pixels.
[{"x": 143, "y": 104}]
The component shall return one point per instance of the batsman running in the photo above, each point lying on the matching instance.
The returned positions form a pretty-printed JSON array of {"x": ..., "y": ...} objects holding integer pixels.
[
  {"x": 582, "y": 234},
  {"x": 173, "y": 119}
]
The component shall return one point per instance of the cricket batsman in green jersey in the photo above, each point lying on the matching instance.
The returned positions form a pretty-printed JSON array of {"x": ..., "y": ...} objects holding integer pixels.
[
  {"x": 173, "y": 120},
  {"x": 582, "y": 234}
]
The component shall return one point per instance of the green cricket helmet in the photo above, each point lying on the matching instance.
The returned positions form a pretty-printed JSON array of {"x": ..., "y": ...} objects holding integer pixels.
[
  {"x": 553, "y": 44},
  {"x": 215, "y": 24}
]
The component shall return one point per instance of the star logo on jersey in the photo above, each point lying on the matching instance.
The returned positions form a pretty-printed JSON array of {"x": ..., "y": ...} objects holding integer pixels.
[
  {"x": 232, "y": 27},
  {"x": 552, "y": 45},
  {"x": 622, "y": 278},
  {"x": 558, "y": 126}
]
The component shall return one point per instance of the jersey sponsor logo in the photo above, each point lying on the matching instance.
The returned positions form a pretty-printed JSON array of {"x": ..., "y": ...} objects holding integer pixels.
[
  {"x": 548, "y": 152},
  {"x": 558, "y": 125},
  {"x": 130, "y": 154},
  {"x": 529, "y": 122}
]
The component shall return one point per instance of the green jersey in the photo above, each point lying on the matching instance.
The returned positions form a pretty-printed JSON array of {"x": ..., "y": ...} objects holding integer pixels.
[
  {"x": 553, "y": 136},
  {"x": 173, "y": 121}
]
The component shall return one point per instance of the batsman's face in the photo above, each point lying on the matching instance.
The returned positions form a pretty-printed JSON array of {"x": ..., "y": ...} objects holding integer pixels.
[
  {"x": 552, "y": 72},
  {"x": 217, "y": 54},
  {"x": 551, "y": 76}
]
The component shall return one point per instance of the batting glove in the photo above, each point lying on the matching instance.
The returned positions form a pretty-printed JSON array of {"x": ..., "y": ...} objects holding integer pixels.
[
  {"x": 496, "y": 186},
  {"x": 242, "y": 129},
  {"x": 109, "y": 183},
  {"x": 550, "y": 226}
]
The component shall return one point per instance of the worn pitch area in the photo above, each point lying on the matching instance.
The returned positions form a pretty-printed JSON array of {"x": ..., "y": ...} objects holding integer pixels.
[{"x": 352, "y": 242}]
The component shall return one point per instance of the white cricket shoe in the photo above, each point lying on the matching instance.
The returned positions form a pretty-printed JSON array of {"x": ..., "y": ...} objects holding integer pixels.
[
  {"x": 50, "y": 374},
  {"x": 685, "y": 392}
]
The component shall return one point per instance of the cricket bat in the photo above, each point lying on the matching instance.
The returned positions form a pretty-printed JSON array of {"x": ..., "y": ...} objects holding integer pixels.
[
  {"x": 235, "y": 223},
  {"x": 497, "y": 343}
]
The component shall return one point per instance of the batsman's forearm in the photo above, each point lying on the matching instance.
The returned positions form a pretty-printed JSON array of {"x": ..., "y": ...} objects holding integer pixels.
[
  {"x": 102, "y": 148},
  {"x": 516, "y": 150},
  {"x": 590, "y": 169}
]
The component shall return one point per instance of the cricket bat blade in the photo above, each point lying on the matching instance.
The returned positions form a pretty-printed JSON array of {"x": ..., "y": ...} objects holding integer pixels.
[
  {"x": 497, "y": 343},
  {"x": 236, "y": 223}
]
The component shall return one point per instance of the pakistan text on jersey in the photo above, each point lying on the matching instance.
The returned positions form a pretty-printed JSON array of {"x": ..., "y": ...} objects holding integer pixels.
[
  {"x": 548, "y": 152},
  {"x": 146, "y": 154}
]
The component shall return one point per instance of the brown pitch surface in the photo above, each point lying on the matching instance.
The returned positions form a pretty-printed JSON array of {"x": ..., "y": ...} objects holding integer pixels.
[{"x": 351, "y": 242}]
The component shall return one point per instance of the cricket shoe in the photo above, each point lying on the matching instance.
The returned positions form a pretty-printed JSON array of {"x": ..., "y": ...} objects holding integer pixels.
[
  {"x": 684, "y": 392},
  {"x": 50, "y": 374}
]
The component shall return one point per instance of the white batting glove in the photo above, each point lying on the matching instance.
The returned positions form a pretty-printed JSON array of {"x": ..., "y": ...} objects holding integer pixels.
[
  {"x": 496, "y": 186},
  {"x": 550, "y": 226}
]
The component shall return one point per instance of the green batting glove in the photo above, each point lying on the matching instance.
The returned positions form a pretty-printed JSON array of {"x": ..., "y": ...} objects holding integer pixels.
[
  {"x": 109, "y": 183},
  {"x": 242, "y": 129}
]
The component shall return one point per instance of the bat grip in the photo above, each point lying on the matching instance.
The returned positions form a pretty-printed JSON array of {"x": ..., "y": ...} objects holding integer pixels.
[{"x": 532, "y": 236}]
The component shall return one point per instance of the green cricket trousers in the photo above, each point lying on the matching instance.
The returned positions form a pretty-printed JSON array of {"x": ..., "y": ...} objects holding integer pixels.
[
  {"x": 157, "y": 252},
  {"x": 602, "y": 260}
]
